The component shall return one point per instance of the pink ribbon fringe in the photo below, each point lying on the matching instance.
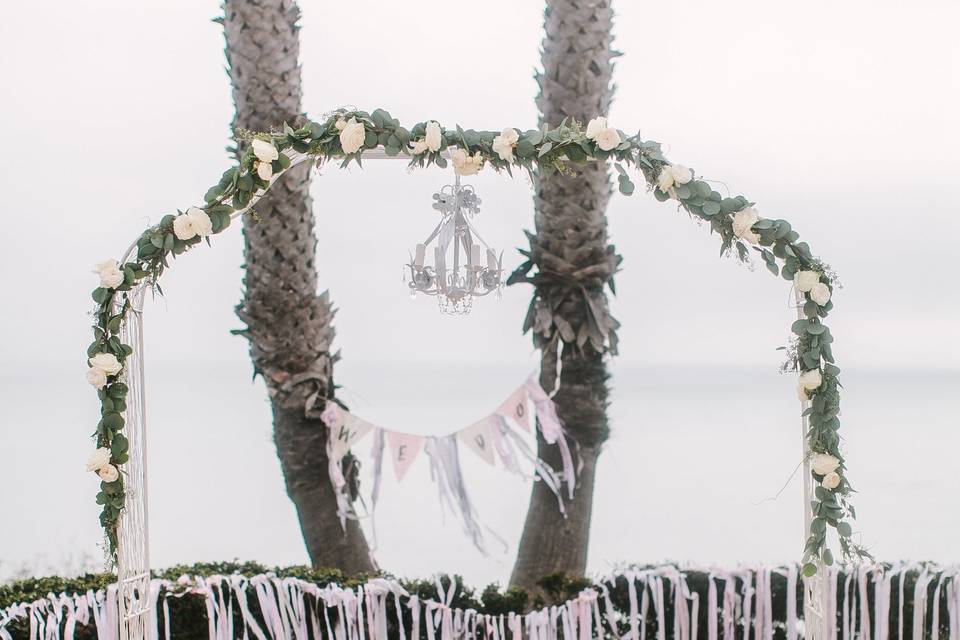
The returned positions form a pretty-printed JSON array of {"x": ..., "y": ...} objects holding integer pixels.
[{"x": 738, "y": 601}]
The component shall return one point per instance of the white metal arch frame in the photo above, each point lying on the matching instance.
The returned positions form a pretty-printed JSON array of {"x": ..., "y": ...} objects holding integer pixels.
[{"x": 133, "y": 542}]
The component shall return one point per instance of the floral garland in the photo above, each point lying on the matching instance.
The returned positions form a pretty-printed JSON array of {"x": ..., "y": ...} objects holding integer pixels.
[{"x": 345, "y": 135}]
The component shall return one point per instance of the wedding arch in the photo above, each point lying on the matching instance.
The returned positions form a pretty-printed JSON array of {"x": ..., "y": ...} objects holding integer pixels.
[{"x": 116, "y": 366}]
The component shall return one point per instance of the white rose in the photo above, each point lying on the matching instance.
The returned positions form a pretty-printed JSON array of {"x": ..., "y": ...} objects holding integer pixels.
[
  {"x": 805, "y": 280},
  {"x": 802, "y": 393},
  {"x": 511, "y": 135},
  {"x": 831, "y": 480},
  {"x": 98, "y": 459},
  {"x": 503, "y": 149},
  {"x": 106, "y": 362},
  {"x": 200, "y": 220},
  {"x": 352, "y": 136},
  {"x": 595, "y": 126},
  {"x": 419, "y": 146},
  {"x": 97, "y": 377},
  {"x": 503, "y": 144},
  {"x": 464, "y": 164},
  {"x": 665, "y": 179},
  {"x": 742, "y": 221},
  {"x": 110, "y": 274},
  {"x": 183, "y": 227},
  {"x": 681, "y": 174},
  {"x": 810, "y": 380},
  {"x": 820, "y": 293},
  {"x": 341, "y": 124},
  {"x": 608, "y": 139},
  {"x": 823, "y": 463},
  {"x": 265, "y": 151},
  {"x": 264, "y": 170},
  {"x": 109, "y": 473},
  {"x": 673, "y": 174},
  {"x": 750, "y": 236},
  {"x": 433, "y": 136}
]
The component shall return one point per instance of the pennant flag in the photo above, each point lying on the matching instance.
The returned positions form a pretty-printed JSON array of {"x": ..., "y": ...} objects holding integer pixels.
[
  {"x": 350, "y": 430},
  {"x": 404, "y": 448},
  {"x": 516, "y": 408},
  {"x": 479, "y": 438}
]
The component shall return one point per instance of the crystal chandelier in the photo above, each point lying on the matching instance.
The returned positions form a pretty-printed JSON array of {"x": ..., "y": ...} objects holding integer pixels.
[{"x": 464, "y": 266}]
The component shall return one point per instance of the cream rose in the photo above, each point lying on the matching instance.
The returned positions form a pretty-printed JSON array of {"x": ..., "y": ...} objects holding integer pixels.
[
  {"x": 608, "y": 139},
  {"x": 97, "y": 377},
  {"x": 110, "y": 274},
  {"x": 503, "y": 144},
  {"x": 464, "y": 164},
  {"x": 183, "y": 227},
  {"x": 106, "y": 362},
  {"x": 802, "y": 393},
  {"x": 419, "y": 146},
  {"x": 673, "y": 174},
  {"x": 743, "y": 220},
  {"x": 804, "y": 280},
  {"x": 265, "y": 151},
  {"x": 200, "y": 220},
  {"x": 823, "y": 463},
  {"x": 340, "y": 124},
  {"x": 352, "y": 136},
  {"x": 98, "y": 459},
  {"x": 108, "y": 473},
  {"x": 810, "y": 380},
  {"x": 831, "y": 480},
  {"x": 264, "y": 170},
  {"x": 820, "y": 293},
  {"x": 433, "y": 137},
  {"x": 595, "y": 126}
]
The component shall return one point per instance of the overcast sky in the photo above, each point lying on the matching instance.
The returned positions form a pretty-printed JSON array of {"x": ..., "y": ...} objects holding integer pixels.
[{"x": 839, "y": 117}]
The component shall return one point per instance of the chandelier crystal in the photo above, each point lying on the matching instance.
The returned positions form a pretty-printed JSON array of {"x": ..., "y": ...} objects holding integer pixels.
[{"x": 463, "y": 265}]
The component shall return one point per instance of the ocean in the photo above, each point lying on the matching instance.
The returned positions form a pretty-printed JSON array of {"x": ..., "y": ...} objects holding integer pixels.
[{"x": 692, "y": 473}]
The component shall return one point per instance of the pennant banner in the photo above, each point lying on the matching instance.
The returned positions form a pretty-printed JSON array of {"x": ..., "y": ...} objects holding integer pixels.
[
  {"x": 517, "y": 408},
  {"x": 404, "y": 448},
  {"x": 498, "y": 436},
  {"x": 479, "y": 438}
]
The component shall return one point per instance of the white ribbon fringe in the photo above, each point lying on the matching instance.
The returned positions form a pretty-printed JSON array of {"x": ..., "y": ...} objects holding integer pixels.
[{"x": 625, "y": 606}]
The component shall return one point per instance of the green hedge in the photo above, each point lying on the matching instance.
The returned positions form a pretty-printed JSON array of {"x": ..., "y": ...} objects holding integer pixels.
[{"x": 188, "y": 617}]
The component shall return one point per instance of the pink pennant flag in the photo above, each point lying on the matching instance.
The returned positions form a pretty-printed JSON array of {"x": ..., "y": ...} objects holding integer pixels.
[
  {"x": 479, "y": 438},
  {"x": 350, "y": 430},
  {"x": 404, "y": 448},
  {"x": 516, "y": 408}
]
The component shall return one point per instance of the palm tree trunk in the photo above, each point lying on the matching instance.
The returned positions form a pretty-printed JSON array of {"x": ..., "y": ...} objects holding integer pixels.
[
  {"x": 289, "y": 326},
  {"x": 571, "y": 236}
]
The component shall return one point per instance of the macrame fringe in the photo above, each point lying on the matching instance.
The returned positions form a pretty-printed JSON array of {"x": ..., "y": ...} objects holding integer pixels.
[{"x": 738, "y": 601}]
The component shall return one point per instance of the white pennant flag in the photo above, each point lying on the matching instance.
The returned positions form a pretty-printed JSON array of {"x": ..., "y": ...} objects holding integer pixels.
[
  {"x": 517, "y": 408},
  {"x": 350, "y": 430},
  {"x": 404, "y": 448},
  {"x": 479, "y": 438}
]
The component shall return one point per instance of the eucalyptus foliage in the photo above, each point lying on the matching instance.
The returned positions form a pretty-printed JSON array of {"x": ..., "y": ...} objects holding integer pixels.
[{"x": 545, "y": 151}]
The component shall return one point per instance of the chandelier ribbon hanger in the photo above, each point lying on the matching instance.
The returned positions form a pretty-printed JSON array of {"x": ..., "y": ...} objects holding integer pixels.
[{"x": 497, "y": 436}]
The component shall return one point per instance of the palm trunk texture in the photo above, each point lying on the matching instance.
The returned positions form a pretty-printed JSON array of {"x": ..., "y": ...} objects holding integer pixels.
[
  {"x": 575, "y": 263},
  {"x": 288, "y": 325}
]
